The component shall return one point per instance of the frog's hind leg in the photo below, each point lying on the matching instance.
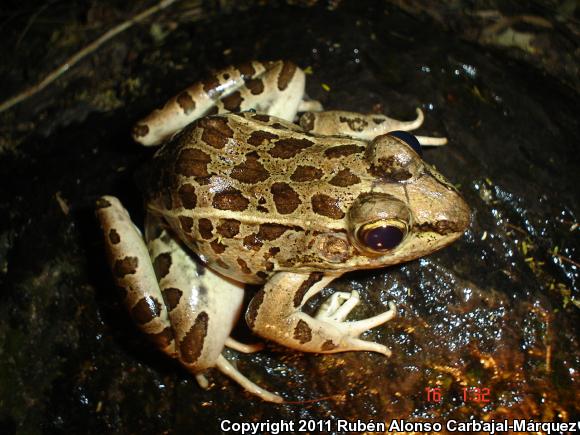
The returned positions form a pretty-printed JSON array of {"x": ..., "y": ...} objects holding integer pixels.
[
  {"x": 276, "y": 313},
  {"x": 359, "y": 126},
  {"x": 185, "y": 308},
  {"x": 133, "y": 273},
  {"x": 196, "y": 292}
]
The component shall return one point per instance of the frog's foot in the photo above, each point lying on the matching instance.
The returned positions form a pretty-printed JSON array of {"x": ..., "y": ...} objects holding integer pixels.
[
  {"x": 229, "y": 370},
  {"x": 339, "y": 305},
  {"x": 432, "y": 141},
  {"x": 275, "y": 313},
  {"x": 359, "y": 126}
]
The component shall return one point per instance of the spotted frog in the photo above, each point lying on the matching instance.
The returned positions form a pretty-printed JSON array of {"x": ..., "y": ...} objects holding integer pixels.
[{"x": 240, "y": 194}]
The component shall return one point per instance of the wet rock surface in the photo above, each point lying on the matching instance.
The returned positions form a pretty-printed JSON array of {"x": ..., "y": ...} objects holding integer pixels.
[{"x": 498, "y": 309}]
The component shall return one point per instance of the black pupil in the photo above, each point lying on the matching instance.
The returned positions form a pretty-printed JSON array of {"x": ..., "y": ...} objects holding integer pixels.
[
  {"x": 383, "y": 238},
  {"x": 409, "y": 139}
]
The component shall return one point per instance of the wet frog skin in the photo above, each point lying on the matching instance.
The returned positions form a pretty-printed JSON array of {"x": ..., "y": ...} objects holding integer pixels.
[{"x": 237, "y": 196}]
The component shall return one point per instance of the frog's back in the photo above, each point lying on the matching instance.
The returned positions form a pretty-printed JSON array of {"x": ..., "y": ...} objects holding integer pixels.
[{"x": 253, "y": 183}]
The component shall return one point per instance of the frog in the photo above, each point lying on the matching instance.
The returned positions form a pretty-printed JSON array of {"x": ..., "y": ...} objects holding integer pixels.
[{"x": 243, "y": 191}]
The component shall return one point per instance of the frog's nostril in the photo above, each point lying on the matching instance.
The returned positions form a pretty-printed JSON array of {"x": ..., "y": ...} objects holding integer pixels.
[{"x": 409, "y": 139}]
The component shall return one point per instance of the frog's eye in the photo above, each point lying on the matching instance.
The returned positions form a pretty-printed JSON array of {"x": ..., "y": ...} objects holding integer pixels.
[
  {"x": 383, "y": 235},
  {"x": 409, "y": 139}
]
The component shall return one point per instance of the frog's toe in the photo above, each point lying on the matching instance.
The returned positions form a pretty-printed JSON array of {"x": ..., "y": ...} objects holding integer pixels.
[
  {"x": 358, "y": 327},
  {"x": 202, "y": 381},
  {"x": 243, "y": 347},
  {"x": 338, "y": 306},
  {"x": 229, "y": 370},
  {"x": 356, "y": 344}
]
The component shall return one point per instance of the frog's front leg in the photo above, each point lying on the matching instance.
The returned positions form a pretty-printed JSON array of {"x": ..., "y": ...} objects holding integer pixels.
[
  {"x": 359, "y": 126},
  {"x": 276, "y": 313},
  {"x": 187, "y": 309}
]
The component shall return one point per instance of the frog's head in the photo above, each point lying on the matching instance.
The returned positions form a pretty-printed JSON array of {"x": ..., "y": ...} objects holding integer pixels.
[{"x": 409, "y": 212}]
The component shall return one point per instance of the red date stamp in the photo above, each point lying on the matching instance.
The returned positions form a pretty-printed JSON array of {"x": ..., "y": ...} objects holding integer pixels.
[{"x": 469, "y": 394}]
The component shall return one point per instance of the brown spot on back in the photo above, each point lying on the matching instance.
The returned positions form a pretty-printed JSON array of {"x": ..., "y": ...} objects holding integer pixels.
[
  {"x": 228, "y": 228},
  {"x": 273, "y": 251},
  {"x": 326, "y": 206},
  {"x": 192, "y": 344},
  {"x": 231, "y": 199},
  {"x": 162, "y": 264},
  {"x": 217, "y": 247},
  {"x": 288, "y": 148},
  {"x": 188, "y": 197},
  {"x": 344, "y": 178},
  {"x": 302, "y": 332},
  {"x": 252, "y": 242},
  {"x": 125, "y": 266},
  {"x": 114, "y": 237},
  {"x": 186, "y": 102},
  {"x": 256, "y": 86},
  {"x": 186, "y": 223},
  {"x": 306, "y": 173},
  {"x": 286, "y": 74},
  {"x": 272, "y": 231},
  {"x": 253, "y": 308},
  {"x": 343, "y": 150},
  {"x": 192, "y": 162},
  {"x": 171, "y": 296},
  {"x": 258, "y": 137},
  {"x": 216, "y": 131},
  {"x": 233, "y": 101},
  {"x": 205, "y": 228},
  {"x": 312, "y": 279},
  {"x": 251, "y": 171},
  {"x": 247, "y": 70},
  {"x": 285, "y": 198},
  {"x": 162, "y": 339},
  {"x": 244, "y": 266},
  {"x": 145, "y": 310},
  {"x": 279, "y": 126},
  {"x": 261, "y": 117},
  {"x": 328, "y": 345}
]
